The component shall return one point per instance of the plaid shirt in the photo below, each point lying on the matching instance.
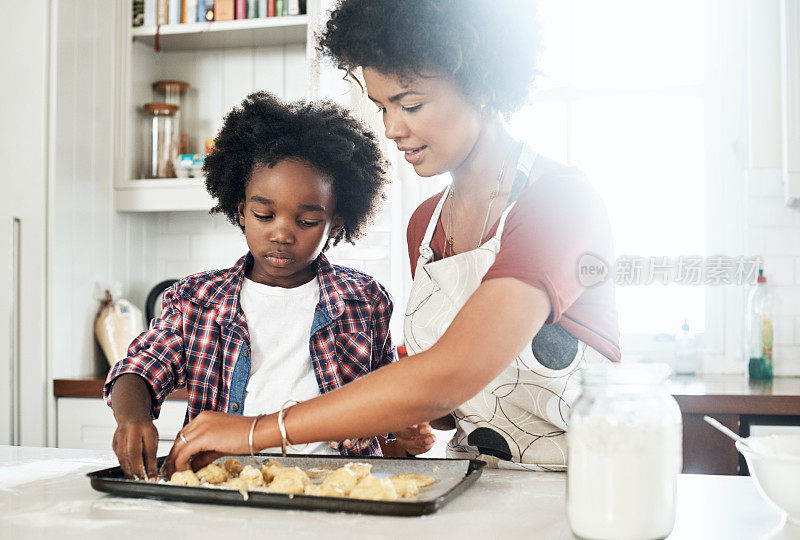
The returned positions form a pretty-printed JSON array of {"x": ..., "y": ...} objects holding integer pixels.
[{"x": 201, "y": 337}]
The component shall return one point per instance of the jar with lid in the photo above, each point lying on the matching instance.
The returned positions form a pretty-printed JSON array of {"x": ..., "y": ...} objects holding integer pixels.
[
  {"x": 173, "y": 92},
  {"x": 624, "y": 453},
  {"x": 160, "y": 140}
]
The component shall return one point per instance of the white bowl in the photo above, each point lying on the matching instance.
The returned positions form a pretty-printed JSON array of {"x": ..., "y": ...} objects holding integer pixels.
[{"x": 774, "y": 464}]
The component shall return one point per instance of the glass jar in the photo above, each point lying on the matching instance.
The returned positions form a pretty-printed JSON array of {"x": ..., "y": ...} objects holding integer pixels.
[
  {"x": 160, "y": 140},
  {"x": 624, "y": 453},
  {"x": 173, "y": 92}
]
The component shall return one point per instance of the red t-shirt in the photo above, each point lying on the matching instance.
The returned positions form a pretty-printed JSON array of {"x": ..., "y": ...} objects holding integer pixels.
[{"x": 556, "y": 220}]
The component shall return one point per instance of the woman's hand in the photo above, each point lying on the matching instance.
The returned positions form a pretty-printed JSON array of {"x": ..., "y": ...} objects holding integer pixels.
[
  {"x": 210, "y": 435},
  {"x": 350, "y": 444},
  {"x": 416, "y": 439}
]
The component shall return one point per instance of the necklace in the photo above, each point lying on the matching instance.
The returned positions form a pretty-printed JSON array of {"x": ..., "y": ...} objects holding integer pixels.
[{"x": 492, "y": 196}]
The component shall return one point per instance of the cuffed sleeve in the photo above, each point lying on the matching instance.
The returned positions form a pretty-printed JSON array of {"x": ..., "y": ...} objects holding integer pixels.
[{"x": 156, "y": 355}]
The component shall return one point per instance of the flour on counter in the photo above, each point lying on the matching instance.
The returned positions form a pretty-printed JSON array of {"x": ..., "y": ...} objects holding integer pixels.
[{"x": 51, "y": 469}]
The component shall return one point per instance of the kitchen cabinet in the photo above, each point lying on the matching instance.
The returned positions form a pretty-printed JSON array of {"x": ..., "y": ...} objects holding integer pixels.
[
  {"x": 222, "y": 62},
  {"x": 85, "y": 421},
  {"x": 88, "y": 423},
  {"x": 24, "y": 221},
  {"x": 745, "y": 407}
]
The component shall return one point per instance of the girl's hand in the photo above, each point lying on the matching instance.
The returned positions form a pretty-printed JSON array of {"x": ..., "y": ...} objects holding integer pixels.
[
  {"x": 210, "y": 435},
  {"x": 416, "y": 439},
  {"x": 135, "y": 443}
]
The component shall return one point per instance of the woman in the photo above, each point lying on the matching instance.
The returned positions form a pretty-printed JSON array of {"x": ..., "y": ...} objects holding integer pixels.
[{"x": 498, "y": 323}]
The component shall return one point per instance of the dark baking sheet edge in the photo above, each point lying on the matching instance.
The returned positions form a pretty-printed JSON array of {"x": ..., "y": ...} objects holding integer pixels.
[{"x": 118, "y": 485}]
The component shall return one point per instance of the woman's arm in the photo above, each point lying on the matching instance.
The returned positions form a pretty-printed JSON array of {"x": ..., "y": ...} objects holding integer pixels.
[{"x": 498, "y": 320}]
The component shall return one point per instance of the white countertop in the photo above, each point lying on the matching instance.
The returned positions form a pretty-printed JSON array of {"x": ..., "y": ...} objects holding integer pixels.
[{"x": 44, "y": 493}]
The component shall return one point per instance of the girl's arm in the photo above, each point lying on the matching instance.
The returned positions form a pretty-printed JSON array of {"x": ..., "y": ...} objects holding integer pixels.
[
  {"x": 137, "y": 385},
  {"x": 498, "y": 320}
]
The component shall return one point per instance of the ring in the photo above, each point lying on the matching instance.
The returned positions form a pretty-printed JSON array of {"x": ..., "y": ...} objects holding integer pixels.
[{"x": 183, "y": 438}]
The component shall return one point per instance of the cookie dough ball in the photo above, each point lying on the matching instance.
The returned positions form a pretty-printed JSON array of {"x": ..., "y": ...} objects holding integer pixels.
[
  {"x": 233, "y": 466},
  {"x": 270, "y": 469},
  {"x": 294, "y": 472},
  {"x": 422, "y": 480},
  {"x": 405, "y": 487},
  {"x": 185, "y": 478},
  {"x": 213, "y": 473},
  {"x": 252, "y": 476},
  {"x": 374, "y": 489},
  {"x": 318, "y": 490},
  {"x": 361, "y": 470},
  {"x": 342, "y": 479},
  {"x": 291, "y": 480},
  {"x": 238, "y": 484}
]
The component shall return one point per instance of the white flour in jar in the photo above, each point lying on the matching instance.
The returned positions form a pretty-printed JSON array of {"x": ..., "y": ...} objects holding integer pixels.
[{"x": 621, "y": 477}]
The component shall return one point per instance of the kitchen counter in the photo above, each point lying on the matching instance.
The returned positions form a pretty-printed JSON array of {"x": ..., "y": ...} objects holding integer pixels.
[
  {"x": 695, "y": 393},
  {"x": 739, "y": 404},
  {"x": 735, "y": 401},
  {"x": 736, "y": 394},
  {"x": 94, "y": 388},
  {"x": 45, "y": 494}
]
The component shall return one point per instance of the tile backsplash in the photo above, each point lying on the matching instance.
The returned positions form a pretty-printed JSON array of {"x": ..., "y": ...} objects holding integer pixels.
[{"x": 773, "y": 231}]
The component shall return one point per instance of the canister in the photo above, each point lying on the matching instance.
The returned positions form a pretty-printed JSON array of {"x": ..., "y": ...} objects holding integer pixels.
[{"x": 624, "y": 453}]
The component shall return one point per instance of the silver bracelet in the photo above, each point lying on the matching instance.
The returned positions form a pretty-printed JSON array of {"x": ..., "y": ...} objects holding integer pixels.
[
  {"x": 282, "y": 427},
  {"x": 250, "y": 437}
]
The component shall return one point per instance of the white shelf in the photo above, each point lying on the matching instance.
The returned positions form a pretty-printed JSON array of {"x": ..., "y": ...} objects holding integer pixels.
[
  {"x": 162, "y": 195},
  {"x": 226, "y": 34}
]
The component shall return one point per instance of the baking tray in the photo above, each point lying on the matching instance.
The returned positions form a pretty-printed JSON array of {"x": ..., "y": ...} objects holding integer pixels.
[{"x": 452, "y": 477}]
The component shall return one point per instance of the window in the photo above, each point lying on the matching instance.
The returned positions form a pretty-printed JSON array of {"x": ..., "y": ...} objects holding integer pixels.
[{"x": 627, "y": 96}]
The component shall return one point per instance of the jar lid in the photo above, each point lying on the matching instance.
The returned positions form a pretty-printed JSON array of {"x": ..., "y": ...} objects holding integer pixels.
[
  {"x": 165, "y": 85},
  {"x": 624, "y": 374},
  {"x": 160, "y": 109}
]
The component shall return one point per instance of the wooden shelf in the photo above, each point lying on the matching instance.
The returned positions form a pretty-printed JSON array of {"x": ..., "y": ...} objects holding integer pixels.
[
  {"x": 226, "y": 34},
  {"x": 162, "y": 195}
]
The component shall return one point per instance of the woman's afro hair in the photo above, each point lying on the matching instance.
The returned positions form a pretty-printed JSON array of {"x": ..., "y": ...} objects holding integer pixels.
[
  {"x": 264, "y": 130},
  {"x": 488, "y": 47}
]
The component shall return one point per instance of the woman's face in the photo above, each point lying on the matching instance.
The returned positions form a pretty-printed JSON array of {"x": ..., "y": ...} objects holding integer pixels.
[{"x": 429, "y": 119}]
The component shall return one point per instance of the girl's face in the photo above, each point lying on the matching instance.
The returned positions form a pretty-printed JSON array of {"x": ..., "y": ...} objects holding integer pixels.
[
  {"x": 288, "y": 214},
  {"x": 429, "y": 119}
]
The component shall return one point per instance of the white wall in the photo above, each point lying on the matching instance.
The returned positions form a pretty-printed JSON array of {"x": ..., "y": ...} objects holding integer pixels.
[
  {"x": 89, "y": 239},
  {"x": 773, "y": 229}
]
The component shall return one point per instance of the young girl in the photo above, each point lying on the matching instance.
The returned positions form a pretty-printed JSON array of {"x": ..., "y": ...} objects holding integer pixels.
[{"x": 282, "y": 323}]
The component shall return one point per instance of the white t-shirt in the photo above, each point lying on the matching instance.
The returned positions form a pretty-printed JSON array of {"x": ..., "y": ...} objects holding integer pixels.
[{"x": 279, "y": 321}]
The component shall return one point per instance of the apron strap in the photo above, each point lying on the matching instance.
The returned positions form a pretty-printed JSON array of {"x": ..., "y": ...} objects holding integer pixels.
[
  {"x": 425, "y": 247},
  {"x": 524, "y": 177}
]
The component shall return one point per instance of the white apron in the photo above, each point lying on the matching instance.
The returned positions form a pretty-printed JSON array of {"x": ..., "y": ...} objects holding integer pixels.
[{"x": 518, "y": 421}]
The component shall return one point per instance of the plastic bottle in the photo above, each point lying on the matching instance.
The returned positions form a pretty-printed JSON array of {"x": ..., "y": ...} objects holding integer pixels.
[
  {"x": 686, "y": 361},
  {"x": 759, "y": 331}
]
